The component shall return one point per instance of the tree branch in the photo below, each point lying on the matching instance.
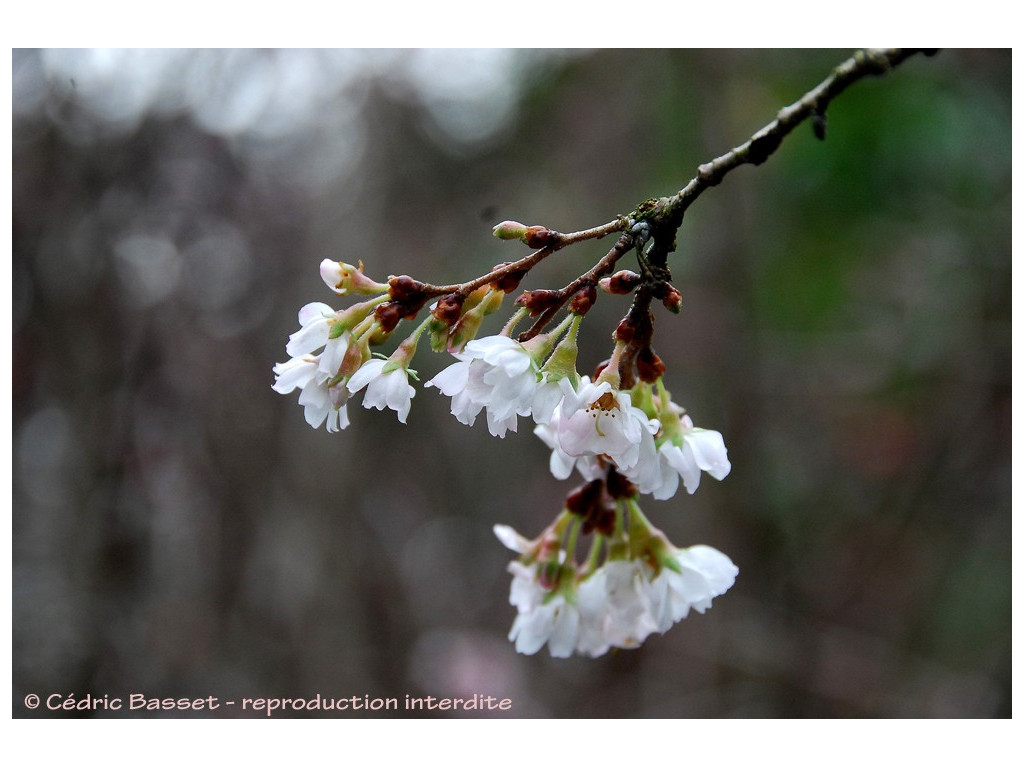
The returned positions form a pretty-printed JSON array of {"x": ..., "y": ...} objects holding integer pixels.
[
  {"x": 760, "y": 146},
  {"x": 657, "y": 220}
]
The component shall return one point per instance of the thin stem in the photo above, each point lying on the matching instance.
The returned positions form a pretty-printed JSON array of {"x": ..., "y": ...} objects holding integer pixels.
[
  {"x": 590, "y": 277},
  {"x": 513, "y": 321},
  {"x": 574, "y": 533},
  {"x": 594, "y": 554},
  {"x": 527, "y": 263}
]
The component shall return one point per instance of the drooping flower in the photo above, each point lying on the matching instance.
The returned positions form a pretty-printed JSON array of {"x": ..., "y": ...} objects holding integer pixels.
[
  {"x": 321, "y": 402},
  {"x": 387, "y": 386},
  {"x": 544, "y": 616},
  {"x": 496, "y": 373},
  {"x": 297, "y": 372},
  {"x": 597, "y": 420},
  {"x": 691, "y": 578},
  {"x": 682, "y": 454},
  {"x": 628, "y": 618},
  {"x": 561, "y": 463},
  {"x": 595, "y": 426},
  {"x": 315, "y": 319},
  {"x": 645, "y": 585}
]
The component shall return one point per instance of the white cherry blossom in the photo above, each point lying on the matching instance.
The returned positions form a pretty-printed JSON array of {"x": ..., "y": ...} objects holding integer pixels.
[
  {"x": 496, "y": 373},
  {"x": 683, "y": 456},
  {"x": 561, "y": 463},
  {"x": 543, "y": 617},
  {"x": 386, "y": 387},
  {"x": 703, "y": 574},
  {"x": 321, "y": 403},
  {"x": 315, "y": 331},
  {"x": 597, "y": 420}
]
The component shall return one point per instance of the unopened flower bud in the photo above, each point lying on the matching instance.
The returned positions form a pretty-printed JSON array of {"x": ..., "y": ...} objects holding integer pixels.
[
  {"x": 649, "y": 366},
  {"x": 405, "y": 289},
  {"x": 344, "y": 279},
  {"x": 583, "y": 499},
  {"x": 583, "y": 300},
  {"x": 510, "y": 230},
  {"x": 509, "y": 282},
  {"x": 448, "y": 309},
  {"x": 625, "y": 330},
  {"x": 620, "y": 487},
  {"x": 672, "y": 299},
  {"x": 388, "y": 315},
  {"x": 538, "y": 237},
  {"x": 476, "y": 297},
  {"x": 469, "y": 324},
  {"x": 356, "y": 354},
  {"x": 622, "y": 282},
  {"x": 538, "y": 301}
]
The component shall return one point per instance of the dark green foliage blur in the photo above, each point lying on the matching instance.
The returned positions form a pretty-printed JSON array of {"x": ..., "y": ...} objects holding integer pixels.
[{"x": 180, "y": 531}]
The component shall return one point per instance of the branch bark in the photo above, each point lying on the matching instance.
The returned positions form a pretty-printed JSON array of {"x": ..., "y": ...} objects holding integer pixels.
[{"x": 760, "y": 146}]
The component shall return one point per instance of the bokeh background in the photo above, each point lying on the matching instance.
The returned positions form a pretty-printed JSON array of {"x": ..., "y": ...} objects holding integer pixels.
[{"x": 179, "y": 530}]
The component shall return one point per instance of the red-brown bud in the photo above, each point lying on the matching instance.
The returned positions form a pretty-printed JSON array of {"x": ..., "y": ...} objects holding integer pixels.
[
  {"x": 405, "y": 290},
  {"x": 538, "y": 301},
  {"x": 625, "y": 330},
  {"x": 672, "y": 299},
  {"x": 509, "y": 282},
  {"x": 388, "y": 315},
  {"x": 448, "y": 309},
  {"x": 620, "y": 487},
  {"x": 622, "y": 282},
  {"x": 583, "y": 300},
  {"x": 583, "y": 499},
  {"x": 538, "y": 237},
  {"x": 599, "y": 369},
  {"x": 649, "y": 366}
]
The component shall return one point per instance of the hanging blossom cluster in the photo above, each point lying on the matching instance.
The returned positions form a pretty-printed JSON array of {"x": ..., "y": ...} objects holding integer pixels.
[{"x": 621, "y": 431}]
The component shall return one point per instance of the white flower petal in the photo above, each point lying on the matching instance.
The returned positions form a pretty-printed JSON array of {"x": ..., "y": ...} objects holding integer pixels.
[{"x": 367, "y": 371}]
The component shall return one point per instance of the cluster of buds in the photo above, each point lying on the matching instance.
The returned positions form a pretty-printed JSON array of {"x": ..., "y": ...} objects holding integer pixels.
[{"x": 621, "y": 431}]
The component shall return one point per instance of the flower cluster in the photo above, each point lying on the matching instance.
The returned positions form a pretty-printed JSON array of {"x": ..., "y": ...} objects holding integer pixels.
[
  {"x": 623, "y": 441},
  {"x": 644, "y": 585},
  {"x": 330, "y": 357}
]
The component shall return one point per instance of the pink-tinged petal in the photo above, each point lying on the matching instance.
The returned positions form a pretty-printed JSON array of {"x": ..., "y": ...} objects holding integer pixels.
[{"x": 333, "y": 355}]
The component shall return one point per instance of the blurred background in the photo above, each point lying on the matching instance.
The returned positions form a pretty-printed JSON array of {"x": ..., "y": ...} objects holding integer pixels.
[{"x": 180, "y": 531}]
